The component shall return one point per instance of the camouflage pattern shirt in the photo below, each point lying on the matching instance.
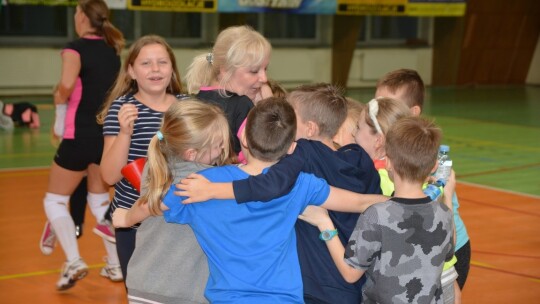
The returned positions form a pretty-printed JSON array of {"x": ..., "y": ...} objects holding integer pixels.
[{"x": 402, "y": 245}]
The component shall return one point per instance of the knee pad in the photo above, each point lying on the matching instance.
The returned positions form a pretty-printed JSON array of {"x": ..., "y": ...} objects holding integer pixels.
[
  {"x": 99, "y": 204},
  {"x": 56, "y": 206}
]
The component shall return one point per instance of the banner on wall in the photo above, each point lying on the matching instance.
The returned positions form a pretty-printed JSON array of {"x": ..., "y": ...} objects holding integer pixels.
[
  {"x": 436, "y": 8},
  {"x": 401, "y": 7},
  {"x": 341, "y": 7},
  {"x": 201, "y": 6},
  {"x": 43, "y": 2},
  {"x": 113, "y": 4},
  {"x": 289, "y": 6}
]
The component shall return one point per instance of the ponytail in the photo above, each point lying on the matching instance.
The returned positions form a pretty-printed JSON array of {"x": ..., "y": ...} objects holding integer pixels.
[
  {"x": 200, "y": 73},
  {"x": 113, "y": 36},
  {"x": 158, "y": 178}
]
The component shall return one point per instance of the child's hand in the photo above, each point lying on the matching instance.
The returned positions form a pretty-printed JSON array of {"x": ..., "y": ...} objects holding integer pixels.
[
  {"x": 449, "y": 190},
  {"x": 316, "y": 216},
  {"x": 450, "y": 186},
  {"x": 127, "y": 115},
  {"x": 119, "y": 218},
  {"x": 195, "y": 187}
]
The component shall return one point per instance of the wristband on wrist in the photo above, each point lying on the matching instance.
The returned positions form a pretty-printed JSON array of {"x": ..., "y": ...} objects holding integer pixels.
[{"x": 327, "y": 234}]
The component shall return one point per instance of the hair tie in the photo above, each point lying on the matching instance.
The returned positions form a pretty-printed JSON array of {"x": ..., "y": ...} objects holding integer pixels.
[
  {"x": 159, "y": 135},
  {"x": 373, "y": 110},
  {"x": 210, "y": 58}
]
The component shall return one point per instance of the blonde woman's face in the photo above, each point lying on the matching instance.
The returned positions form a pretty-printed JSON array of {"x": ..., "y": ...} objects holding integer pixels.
[
  {"x": 249, "y": 80},
  {"x": 152, "y": 69}
]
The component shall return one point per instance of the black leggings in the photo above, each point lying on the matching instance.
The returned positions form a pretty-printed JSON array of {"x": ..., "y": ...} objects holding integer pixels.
[
  {"x": 125, "y": 245},
  {"x": 77, "y": 203},
  {"x": 463, "y": 263}
]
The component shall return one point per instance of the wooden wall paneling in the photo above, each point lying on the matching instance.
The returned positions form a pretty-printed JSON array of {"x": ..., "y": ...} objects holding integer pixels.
[
  {"x": 448, "y": 35},
  {"x": 346, "y": 30},
  {"x": 498, "y": 42}
]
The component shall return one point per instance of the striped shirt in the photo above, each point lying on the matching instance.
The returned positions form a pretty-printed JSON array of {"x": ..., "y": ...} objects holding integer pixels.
[{"x": 145, "y": 127}]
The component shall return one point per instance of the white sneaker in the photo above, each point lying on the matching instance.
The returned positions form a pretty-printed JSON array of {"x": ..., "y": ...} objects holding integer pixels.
[
  {"x": 113, "y": 272},
  {"x": 71, "y": 272}
]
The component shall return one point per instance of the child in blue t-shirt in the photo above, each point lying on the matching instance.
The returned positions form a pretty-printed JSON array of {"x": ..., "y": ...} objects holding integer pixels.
[{"x": 251, "y": 248}]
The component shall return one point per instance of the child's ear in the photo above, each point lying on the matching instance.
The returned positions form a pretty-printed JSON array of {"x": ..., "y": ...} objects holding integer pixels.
[
  {"x": 243, "y": 139},
  {"x": 415, "y": 110},
  {"x": 130, "y": 72},
  {"x": 291, "y": 148},
  {"x": 313, "y": 129},
  {"x": 389, "y": 168},
  {"x": 435, "y": 167},
  {"x": 190, "y": 154},
  {"x": 388, "y": 164},
  {"x": 379, "y": 141}
]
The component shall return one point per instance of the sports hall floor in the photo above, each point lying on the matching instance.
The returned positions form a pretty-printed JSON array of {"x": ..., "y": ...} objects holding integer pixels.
[{"x": 494, "y": 136}]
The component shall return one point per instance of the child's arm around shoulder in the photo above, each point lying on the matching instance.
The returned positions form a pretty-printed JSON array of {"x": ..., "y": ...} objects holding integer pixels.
[
  {"x": 348, "y": 201},
  {"x": 123, "y": 218},
  {"x": 196, "y": 188},
  {"x": 281, "y": 176},
  {"x": 318, "y": 217}
]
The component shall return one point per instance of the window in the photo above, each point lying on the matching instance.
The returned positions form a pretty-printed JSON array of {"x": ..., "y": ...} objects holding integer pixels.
[
  {"x": 288, "y": 29},
  {"x": 124, "y": 21},
  {"x": 28, "y": 20},
  {"x": 39, "y": 25},
  {"x": 395, "y": 30},
  {"x": 173, "y": 26},
  {"x": 42, "y": 25}
]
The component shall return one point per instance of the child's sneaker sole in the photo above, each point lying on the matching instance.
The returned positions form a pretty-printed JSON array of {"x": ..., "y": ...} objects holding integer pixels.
[{"x": 71, "y": 273}]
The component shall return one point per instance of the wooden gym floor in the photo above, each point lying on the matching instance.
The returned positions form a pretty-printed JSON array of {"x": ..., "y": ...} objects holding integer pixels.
[{"x": 494, "y": 135}]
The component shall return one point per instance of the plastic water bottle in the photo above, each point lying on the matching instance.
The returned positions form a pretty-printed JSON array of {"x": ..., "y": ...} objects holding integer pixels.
[
  {"x": 445, "y": 164},
  {"x": 433, "y": 191}
]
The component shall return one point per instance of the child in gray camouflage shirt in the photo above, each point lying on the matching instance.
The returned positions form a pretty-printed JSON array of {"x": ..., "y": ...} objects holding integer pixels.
[{"x": 401, "y": 244}]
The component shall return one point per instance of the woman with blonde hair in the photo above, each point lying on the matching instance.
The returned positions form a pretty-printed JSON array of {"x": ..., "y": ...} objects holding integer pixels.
[{"x": 231, "y": 74}]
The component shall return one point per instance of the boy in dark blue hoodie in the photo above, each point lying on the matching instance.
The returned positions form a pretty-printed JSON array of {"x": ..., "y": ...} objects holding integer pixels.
[{"x": 320, "y": 109}]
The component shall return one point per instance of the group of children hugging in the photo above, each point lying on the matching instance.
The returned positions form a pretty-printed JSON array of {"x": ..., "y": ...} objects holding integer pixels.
[
  {"x": 251, "y": 194},
  {"x": 263, "y": 233}
]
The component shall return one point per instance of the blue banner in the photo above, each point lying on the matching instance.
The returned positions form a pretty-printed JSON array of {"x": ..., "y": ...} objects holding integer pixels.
[{"x": 285, "y": 6}]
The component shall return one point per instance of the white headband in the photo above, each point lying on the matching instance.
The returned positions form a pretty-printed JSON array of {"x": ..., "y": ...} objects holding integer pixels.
[{"x": 373, "y": 110}]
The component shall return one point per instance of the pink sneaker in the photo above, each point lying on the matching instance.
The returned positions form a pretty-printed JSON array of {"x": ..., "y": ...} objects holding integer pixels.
[
  {"x": 105, "y": 230},
  {"x": 48, "y": 239}
]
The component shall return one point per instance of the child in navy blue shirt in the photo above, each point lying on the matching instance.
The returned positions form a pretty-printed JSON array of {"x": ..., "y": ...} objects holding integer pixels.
[{"x": 320, "y": 110}]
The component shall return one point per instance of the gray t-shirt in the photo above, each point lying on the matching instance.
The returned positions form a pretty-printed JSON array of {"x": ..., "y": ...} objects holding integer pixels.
[
  {"x": 402, "y": 245},
  {"x": 168, "y": 265}
]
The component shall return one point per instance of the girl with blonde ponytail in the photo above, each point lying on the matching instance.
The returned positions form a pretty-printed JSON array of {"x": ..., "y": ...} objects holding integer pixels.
[{"x": 168, "y": 265}]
